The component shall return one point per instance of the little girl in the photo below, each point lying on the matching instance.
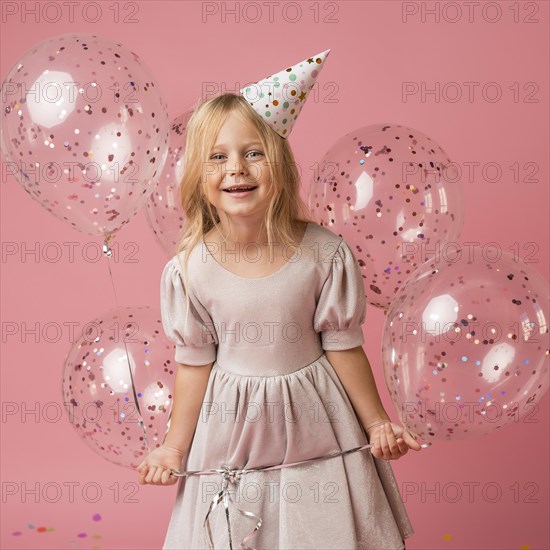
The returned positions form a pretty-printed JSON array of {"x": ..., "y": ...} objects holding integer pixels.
[{"x": 265, "y": 308}]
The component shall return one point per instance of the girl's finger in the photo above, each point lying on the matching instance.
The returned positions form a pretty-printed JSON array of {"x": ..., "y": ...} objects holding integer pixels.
[
  {"x": 411, "y": 440},
  {"x": 386, "y": 454},
  {"x": 142, "y": 475},
  {"x": 403, "y": 447},
  {"x": 158, "y": 475},
  {"x": 150, "y": 474},
  {"x": 392, "y": 443},
  {"x": 166, "y": 478},
  {"x": 375, "y": 449}
]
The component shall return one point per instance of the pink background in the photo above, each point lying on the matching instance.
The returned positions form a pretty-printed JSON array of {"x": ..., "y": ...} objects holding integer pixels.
[{"x": 373, "y": 52}]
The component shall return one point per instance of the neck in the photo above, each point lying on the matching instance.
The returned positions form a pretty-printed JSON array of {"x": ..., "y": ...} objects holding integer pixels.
[{"x": 242, "y": 235}]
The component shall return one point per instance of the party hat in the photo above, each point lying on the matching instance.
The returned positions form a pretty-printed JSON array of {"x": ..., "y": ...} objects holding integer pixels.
[{"x": 279, "y": 98}]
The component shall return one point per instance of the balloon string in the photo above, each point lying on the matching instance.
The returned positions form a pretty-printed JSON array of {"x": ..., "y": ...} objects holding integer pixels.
[{"x": 108, "y": 252}]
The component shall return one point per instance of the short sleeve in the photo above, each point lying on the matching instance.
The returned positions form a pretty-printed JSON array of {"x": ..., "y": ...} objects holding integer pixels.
[
  {"x": 341, "y": 307},
  {"x": 195, "y": 339}
]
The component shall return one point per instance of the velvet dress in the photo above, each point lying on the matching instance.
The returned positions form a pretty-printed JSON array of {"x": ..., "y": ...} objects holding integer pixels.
[{"x": 273, "y": 397}]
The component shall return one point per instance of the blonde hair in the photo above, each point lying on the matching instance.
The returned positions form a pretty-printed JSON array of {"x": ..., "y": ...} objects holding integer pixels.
[{"x": 285, "y": 209}]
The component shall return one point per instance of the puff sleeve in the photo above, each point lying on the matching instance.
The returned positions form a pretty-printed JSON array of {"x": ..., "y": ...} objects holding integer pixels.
[
  {"x": 341, "y": 308},
  {"x": 195, "y": 339}
]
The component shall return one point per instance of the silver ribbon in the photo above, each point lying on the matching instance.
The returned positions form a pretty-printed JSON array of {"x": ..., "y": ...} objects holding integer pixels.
[{"x": 234, "y": 475}]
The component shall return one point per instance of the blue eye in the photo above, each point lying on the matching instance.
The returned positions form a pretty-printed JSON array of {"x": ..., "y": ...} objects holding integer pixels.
[{"x": 222, "y": 155}]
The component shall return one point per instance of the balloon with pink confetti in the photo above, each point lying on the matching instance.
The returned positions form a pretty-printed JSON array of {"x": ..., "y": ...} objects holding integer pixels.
[
  {"x": 164, "y": 210},
  {"x": 118, "y": 381},
  {"x": 84, "y": 130},
  {"x": 392, "y": 193},
  {"x": 465, "y": 345}
]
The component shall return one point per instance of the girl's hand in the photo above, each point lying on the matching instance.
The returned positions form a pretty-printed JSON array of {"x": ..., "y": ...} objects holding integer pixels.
[
  {"x": 391, "y": 441},
  {"x": 158, "y": 465}
]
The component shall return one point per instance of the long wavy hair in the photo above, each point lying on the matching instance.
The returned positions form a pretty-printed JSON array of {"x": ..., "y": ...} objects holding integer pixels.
[{"x": 285, "y": 211}]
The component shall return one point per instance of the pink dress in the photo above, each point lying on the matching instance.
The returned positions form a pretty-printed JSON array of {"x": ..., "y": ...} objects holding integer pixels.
[{"x": 273, "y": 397}]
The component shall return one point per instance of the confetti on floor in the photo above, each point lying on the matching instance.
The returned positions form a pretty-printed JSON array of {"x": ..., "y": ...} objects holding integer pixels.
[{"x": 81, "y": 535}]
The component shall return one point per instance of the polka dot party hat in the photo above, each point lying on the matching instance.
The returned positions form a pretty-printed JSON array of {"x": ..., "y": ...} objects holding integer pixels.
[{"x": 279, "y": 98}]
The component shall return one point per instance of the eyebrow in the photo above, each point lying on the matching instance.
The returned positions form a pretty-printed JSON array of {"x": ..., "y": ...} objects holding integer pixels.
[{"x": 247, "y": 145}]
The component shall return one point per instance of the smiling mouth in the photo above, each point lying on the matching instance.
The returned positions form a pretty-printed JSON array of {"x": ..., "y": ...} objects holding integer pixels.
[{"x": 241, "y": 190}]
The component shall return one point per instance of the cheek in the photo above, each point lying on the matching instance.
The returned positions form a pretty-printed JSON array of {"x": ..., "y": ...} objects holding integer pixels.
[
  {"x": 262, "y": 173},
  {"x": 212, "y": 181},
  {"x": 212, "y": 190},
  {"x": 211, "y": 173}
]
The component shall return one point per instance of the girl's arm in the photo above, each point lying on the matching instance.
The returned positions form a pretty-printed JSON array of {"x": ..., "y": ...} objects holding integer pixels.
[
  {"x": 354, "y": 371},
  {"x": 189, "y": 389}
]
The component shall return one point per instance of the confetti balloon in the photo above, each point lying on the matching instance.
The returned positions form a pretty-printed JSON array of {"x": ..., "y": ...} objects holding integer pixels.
[
  {"x": 465, "y": 345},
  {"x": 118, "y": 381},
  {"x": 392, "y": 193},
  {"x": 84, "y": 130},
  {"x": 164, "y": 211}
]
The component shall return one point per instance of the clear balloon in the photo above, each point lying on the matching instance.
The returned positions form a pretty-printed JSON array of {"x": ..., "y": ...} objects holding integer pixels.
[
  {"x": 84, "y": 130},
  {"x": 164, "y": 211},
  {"x": 118, "y": 381},
  {"x": 392, "y": 193},
  {"x": 465, "y": 345}
]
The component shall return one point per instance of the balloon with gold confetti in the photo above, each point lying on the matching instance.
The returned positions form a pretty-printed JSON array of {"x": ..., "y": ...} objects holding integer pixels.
[
  {"x": 118, "y": 381},
  {"x": 465, "y": 345}
]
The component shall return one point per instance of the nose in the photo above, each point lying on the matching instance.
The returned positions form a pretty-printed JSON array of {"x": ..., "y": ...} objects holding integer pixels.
[{"x": 240, "y": 169}]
